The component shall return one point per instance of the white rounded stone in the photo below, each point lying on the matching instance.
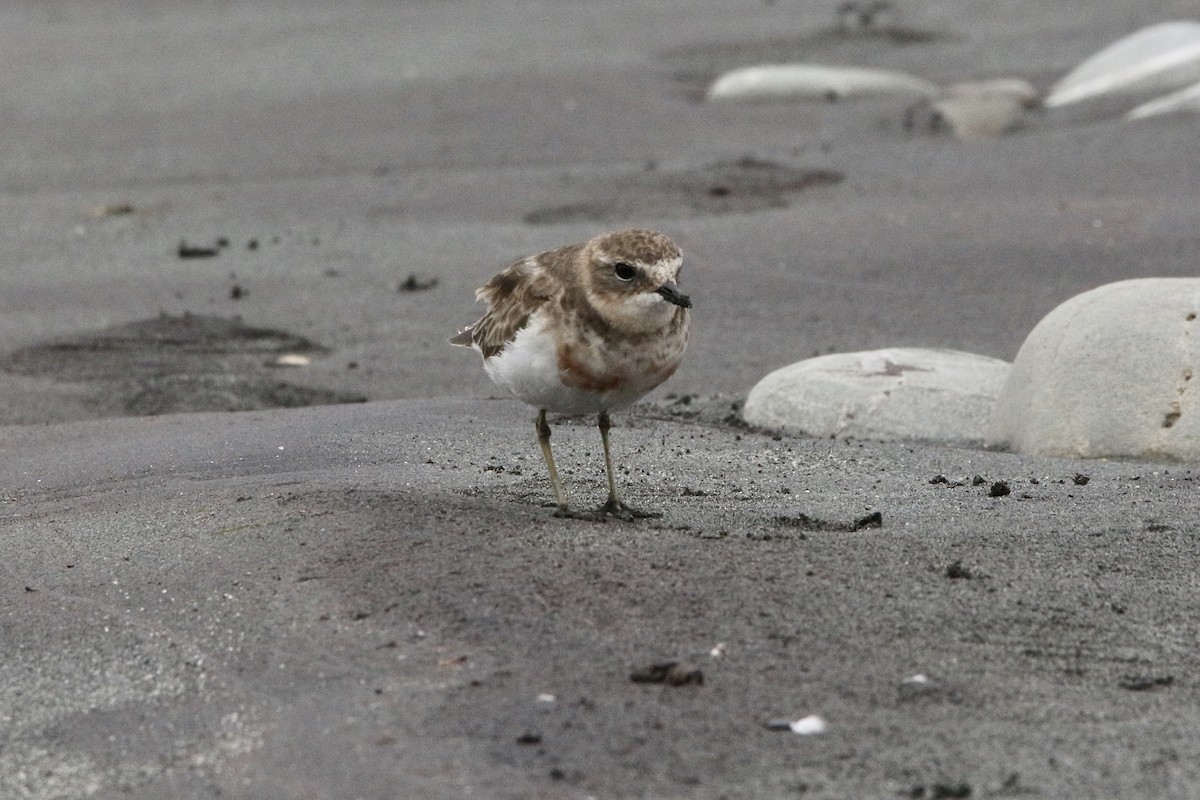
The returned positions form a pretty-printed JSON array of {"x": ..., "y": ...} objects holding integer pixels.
[
  {"x": 896, "y": 393},
  {"x": 814, "y": 82},
  {"x": 1161, "y": 57},
  {"x": 1108, "y": 373},
  {"x": 980, "y": 116},
  {"x": 983, "y": 109},
  {"x": 1018, "y": 89}
]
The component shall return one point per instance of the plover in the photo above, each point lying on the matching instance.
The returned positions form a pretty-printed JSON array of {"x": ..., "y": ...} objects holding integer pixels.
[{"x": 585, "y": 329}]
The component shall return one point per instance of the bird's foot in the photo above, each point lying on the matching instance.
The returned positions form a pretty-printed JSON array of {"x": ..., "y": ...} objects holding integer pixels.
[{"x": 615, "y": 508}]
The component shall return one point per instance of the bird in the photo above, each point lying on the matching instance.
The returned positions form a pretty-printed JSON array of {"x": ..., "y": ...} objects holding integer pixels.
[{"x": 587, "y": 328}]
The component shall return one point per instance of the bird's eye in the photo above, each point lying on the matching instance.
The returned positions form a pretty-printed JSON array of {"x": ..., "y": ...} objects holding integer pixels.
[{"x": 624, "y": 272}]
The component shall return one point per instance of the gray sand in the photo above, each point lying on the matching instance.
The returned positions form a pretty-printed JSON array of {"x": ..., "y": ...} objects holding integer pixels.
[{"x": 369, "y": 599}]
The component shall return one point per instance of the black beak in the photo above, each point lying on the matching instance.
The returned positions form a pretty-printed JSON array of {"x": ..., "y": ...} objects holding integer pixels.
[{"x": 671, "y": 294}]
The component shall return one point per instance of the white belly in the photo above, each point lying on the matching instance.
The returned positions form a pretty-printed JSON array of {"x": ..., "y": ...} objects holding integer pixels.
[{"x": 528, "y": 367}]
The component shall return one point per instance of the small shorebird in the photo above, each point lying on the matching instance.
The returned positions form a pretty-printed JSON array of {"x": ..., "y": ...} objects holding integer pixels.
[{"x": 585, "y": 329}]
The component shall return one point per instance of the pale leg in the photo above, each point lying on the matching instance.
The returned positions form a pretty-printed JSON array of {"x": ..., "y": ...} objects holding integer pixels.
[
  {"x": 543, "y": 434},
  {"x": 614, "y": 506}
]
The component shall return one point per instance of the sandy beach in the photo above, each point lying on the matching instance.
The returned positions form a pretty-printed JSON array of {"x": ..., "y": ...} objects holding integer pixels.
[{"x": 265, "y": 534}]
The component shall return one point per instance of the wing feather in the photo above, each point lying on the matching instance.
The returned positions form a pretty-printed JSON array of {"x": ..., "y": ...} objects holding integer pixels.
[{"x": 512, "y": 296}]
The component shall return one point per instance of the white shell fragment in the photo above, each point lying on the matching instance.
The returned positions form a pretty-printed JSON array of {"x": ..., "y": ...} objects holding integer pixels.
[
  {"x": 293, "y": 360},
  {"x": 1184, "y": 100},
  {"x": 896, "y": 393},
  {"x": 1109, "y": 373},
  {"x": 1160, "y": 58},
  {"x": 814, "y": 82},
  {"x": 808, "y": 726}
]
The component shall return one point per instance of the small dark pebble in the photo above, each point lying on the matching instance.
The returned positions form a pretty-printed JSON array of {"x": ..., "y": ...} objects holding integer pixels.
[
  {"x": 252, "y": 244},
  {"x": 1013, "y": 784},
  {"x": 236, "y": 292},
  {"x": 1145, "y": 683},
  {"x": 192, "y": 251},
  {"x": 671, "y": 673},
  {"x": 940, "y": 791},
  {"x": 978, "y": 480},
  {"x": 414, "y": 284},
  {"x": 999, "y": 489},
  {"x": 223, "y": 242},
  {"x": 801, "y": 520},
  {"x": 942, "y": 480},
  {"x": 112, "y": 210},
  {"x": 956, "y": 571},
  {"x": 805, "y": 522},
  {"x": 872, "y": 520},
  {"x": 1080, "y": 479},
  {"x": 529, "y": 738}
]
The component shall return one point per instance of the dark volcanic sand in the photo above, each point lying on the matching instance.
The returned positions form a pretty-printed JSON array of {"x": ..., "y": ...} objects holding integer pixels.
[{"x": 370, "y": 599}]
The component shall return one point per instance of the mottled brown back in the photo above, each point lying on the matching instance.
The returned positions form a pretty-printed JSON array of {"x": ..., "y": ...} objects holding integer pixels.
[{"x": 512, "y": 296}]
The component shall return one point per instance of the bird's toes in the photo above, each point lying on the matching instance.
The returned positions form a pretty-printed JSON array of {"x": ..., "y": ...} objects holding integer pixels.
[{"x": 615, "y": 508}]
